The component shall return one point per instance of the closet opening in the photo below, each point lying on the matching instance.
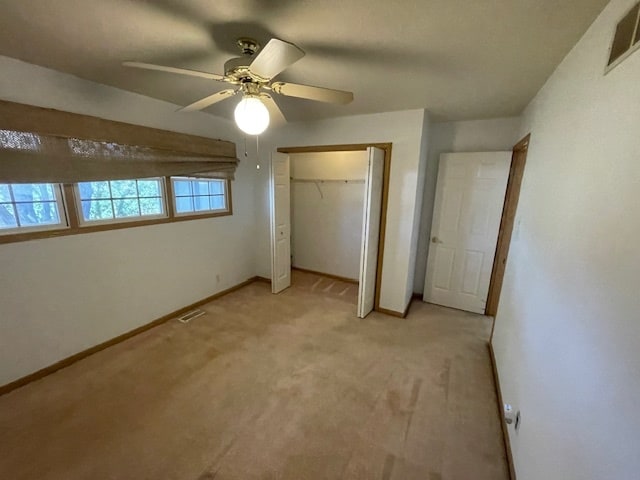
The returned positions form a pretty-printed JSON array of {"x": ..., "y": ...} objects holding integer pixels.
[{"x": 328, "y": 216}]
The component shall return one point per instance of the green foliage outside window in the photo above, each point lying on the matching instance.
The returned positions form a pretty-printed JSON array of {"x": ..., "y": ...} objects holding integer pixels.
[
  {"x": 28, "y": 205},
  {"x": 120, "y": 199}
]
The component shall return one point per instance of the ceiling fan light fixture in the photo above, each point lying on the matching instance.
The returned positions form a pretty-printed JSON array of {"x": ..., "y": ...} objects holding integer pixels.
[{"x": 251, "y": 115}]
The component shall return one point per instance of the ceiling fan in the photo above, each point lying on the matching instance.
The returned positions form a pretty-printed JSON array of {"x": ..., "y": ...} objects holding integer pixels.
[{"x": 252, "y": 76}]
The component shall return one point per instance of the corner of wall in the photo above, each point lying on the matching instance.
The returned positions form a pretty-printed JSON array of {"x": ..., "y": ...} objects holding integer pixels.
[{"x": 417, "y": 247}]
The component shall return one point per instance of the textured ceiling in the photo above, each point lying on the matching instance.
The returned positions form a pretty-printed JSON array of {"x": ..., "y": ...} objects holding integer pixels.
[{"x": 460, "y": 59}]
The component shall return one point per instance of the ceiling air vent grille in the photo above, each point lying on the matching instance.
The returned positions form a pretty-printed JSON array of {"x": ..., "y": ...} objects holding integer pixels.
[{"x": 627, "y": 37}]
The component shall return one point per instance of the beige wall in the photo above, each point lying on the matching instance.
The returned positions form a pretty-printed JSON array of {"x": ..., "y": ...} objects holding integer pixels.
[{"x": 567, "y": 335}]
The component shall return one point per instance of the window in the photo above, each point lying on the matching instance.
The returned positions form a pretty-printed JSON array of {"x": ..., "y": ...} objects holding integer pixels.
[
  {"x": 193, "y": 196},
  {"x": 120, "y": 200},
  {"x": 40, "y": 210},
  {"x": 626, "y": 38},
  {"x": 30, "y": 207}
]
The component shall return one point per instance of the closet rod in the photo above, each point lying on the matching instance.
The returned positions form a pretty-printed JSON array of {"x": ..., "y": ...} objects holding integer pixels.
[{"x": 319, "y": 180}]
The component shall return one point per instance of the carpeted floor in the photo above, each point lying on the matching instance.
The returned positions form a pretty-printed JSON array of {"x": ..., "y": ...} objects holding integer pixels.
[{"x": 289, "y": 386}]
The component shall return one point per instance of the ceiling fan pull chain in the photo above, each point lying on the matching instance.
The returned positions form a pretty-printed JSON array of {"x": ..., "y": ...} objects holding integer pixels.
[{"x": 257, "y": 152}]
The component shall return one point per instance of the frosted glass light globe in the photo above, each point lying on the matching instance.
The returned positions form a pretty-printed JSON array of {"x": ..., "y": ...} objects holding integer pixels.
[{"x": 252, "y": 117}]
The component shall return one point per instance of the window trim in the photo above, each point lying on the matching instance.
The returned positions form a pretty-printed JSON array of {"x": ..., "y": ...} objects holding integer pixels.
[
  {"x": 82, "y": 223},
  {"x": 174, "y": 198},
  {"x": 70, "y": 211},
  {"x": 62, "y": 213}
]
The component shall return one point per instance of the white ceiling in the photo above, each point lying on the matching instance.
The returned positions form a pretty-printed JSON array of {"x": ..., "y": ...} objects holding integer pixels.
[{"x": 461, "y": 59}]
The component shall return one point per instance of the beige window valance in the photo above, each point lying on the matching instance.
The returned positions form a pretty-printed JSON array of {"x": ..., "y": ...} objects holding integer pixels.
[{"x": 44, "y": 145}]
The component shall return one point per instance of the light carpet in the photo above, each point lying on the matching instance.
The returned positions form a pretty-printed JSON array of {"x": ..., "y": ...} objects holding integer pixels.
[{"x": 289, "y": 386}]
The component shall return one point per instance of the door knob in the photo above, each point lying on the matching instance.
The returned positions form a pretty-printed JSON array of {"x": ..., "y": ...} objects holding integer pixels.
[{"x": 435, "y": 240}]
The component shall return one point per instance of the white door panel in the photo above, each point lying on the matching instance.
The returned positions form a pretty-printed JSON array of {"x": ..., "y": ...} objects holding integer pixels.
[
  {"x": 370, "y": 232},
  {"x": 466, "y": 219},
  {"x": 444, "y": 260},
  {"x": 280, "y": 223}
]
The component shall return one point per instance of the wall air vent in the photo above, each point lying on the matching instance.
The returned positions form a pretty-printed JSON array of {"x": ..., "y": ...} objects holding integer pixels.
[{"x": 626, "y": 38}]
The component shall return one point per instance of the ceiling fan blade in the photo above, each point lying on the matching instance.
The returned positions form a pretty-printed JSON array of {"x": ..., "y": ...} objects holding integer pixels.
[
  {"x": 208, "y": 101},
  {"x": 181, "y": 71},
  {"x": 276, "y": 117},
  {"x": 274, "y": 58},
  {"x": 318, "y": 94}
]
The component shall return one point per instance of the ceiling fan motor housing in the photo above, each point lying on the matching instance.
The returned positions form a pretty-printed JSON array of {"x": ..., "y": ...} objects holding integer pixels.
[{"x": 238, "y": 68}]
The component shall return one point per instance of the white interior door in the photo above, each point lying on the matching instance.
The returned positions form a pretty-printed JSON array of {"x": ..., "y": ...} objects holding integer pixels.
[
  {"x": 280, "y": 223},
  {"x": 370, "y": 231},
  {"x": 466, "y": 219}
]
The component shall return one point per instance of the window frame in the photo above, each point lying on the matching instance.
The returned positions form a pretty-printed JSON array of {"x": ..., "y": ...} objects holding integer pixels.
[
  {"x": 72, "y": 215},
  {"x": 82, "y": 223},
  {"x": 635, "y": 45},
  {"x": 201, "y": 213},
  {"x": 62, "y": 214}
]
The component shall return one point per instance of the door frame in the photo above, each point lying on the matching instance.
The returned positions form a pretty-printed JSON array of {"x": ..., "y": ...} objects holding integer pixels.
[
  {"x": 512, "y": 195},
  {"x": 385, "y": 192}
]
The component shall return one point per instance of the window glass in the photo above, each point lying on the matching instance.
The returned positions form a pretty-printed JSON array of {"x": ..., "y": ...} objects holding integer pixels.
[
  {"x": 120, "y": 200},
  {"x": 30, "y": 206},
  {"x": 199, "y": 195},
  {"x": 182, "y": 187}
]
